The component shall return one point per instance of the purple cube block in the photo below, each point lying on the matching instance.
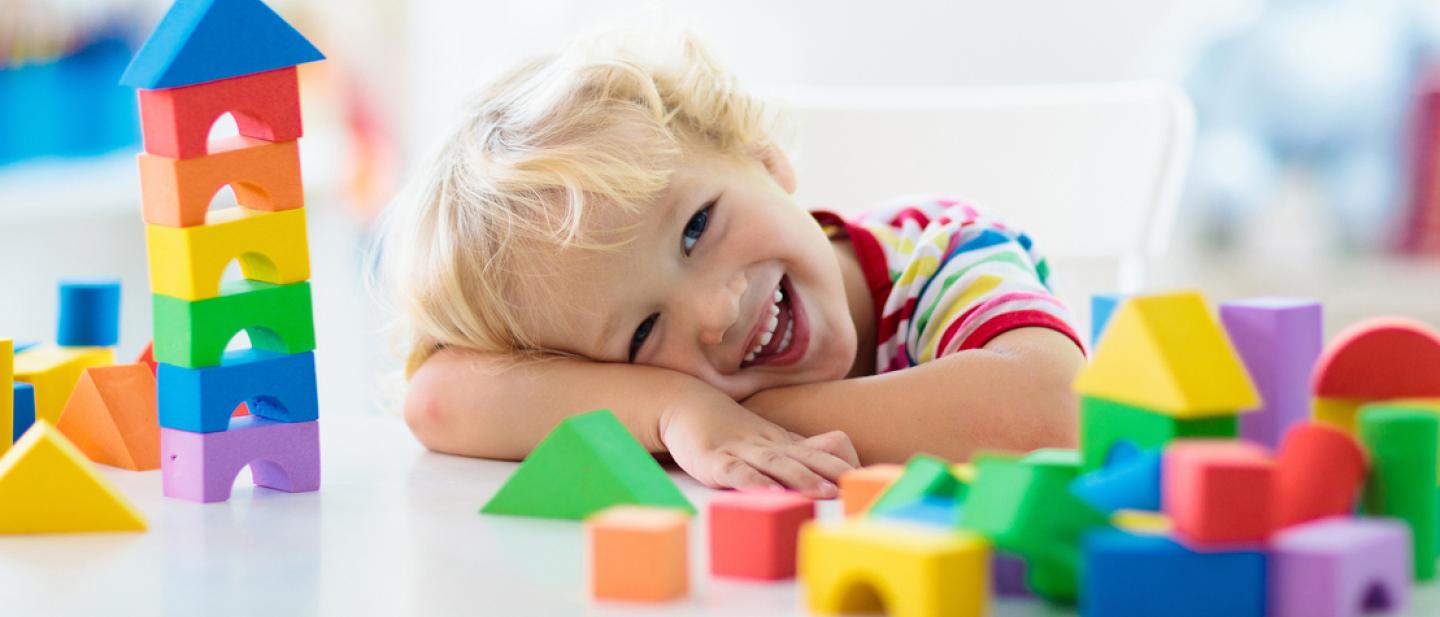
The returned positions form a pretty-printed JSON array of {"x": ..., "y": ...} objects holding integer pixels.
[
  {"x": 201, "y": 467},
  {"x": 1279, "y": 340},
  {"x": 1340, "y": 567},
  {"x": 1007, "y": 576}
]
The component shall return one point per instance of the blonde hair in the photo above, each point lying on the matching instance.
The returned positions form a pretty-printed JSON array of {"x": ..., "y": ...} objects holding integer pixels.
[{"x": 600, "y": 125}]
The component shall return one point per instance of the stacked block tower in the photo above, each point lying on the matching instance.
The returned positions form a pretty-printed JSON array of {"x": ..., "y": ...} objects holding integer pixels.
[{"x": 207, "y": 58}]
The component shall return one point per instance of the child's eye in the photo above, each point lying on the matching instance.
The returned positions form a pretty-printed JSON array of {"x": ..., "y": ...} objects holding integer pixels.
[
  {"x": 641, "y": 333},
  {"x": 695, "y": 228}
]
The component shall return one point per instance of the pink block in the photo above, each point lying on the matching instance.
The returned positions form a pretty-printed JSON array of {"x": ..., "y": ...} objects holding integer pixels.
[
  {"x": 754, "y": 534},
  {"x": 284, "y": 456},
  {"x": 1218, "y": 492},
  {"x": 1340, "y": 567}
]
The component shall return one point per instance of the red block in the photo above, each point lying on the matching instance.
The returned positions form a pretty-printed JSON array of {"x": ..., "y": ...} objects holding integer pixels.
[
  {"x": 177, "y": 121},
  {"x": 1218, "y": 492},
  {"x": 753, "y": 535},
  {"x": 1318, "y": 473},
  {"x": 1381, "y": 358}
]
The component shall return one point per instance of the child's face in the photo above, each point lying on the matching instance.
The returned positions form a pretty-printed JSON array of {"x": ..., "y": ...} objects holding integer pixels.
[{"x": 695, "y": 291}]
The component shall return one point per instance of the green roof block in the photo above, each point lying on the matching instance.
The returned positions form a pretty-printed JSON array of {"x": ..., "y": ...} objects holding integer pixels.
[{"x": 925, "y": 476}]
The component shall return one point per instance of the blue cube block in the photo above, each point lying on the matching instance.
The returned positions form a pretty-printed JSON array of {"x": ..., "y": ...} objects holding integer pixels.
[
  {"x": 1130, "y": 480},
  {"x": 24, "y": 409},
  {"x": 1132, "y": 575},
  {"x": 275, "y": 386},
  {"x": 89, "y": 313}
]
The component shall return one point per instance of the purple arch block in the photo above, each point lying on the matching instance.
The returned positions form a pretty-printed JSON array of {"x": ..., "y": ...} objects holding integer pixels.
[
  {"x": 1340, "y": 567},
  {"x": 1279, "y": 340},
  {"x": 201, "y": 467}
]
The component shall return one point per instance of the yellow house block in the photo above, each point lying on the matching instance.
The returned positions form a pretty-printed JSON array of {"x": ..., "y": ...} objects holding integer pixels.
[
  {"x": 865, "y": 566},
  {"x": 48, "y": 486},
  {"x": 187, "y": 262},
  {"x": 54, "y": 371},
  {"x": 7, "y": 398}
]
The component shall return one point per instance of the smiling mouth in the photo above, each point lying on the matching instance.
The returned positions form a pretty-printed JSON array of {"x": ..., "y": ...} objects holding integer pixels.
[{"x": 778, "y": 332}]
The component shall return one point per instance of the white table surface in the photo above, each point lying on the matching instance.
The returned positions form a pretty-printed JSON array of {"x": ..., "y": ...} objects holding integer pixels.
[{"x": 393, "y": 531}]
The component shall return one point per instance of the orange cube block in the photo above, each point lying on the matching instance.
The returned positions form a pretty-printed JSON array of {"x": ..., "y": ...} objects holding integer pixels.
[
  {"x": 754, "y": 534},
  {"x": 860, "y": 487},
  {"x": 1218, "y": 492},
  {"x": 264, "y": 175},
  {"x": 638, "y": 553}
]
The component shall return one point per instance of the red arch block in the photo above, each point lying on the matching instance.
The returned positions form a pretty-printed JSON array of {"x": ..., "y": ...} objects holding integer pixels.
[
  {"x": 1381, "y": 358},
  {"x": 176, "y": 121},
  {"x": 265, "y": 176}
]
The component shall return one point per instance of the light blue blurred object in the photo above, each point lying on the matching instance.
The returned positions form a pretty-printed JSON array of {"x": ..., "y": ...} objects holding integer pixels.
[
  {"x": 70, "y": 106},
  {"x": 1324, "y": 86}
]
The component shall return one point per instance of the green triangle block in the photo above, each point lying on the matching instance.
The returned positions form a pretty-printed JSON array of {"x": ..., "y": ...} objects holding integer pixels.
[
  {"x": 588, "y": 463},
  {"x": 925, "y": 476}
]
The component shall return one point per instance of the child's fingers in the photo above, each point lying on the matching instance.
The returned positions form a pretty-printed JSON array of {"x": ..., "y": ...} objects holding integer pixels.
[
  {"x": 790, "y": 472},
  {"x": 737, "y": 474},
  {"x": 824, "y": 463},
  {"x": 836, "y": 443}
]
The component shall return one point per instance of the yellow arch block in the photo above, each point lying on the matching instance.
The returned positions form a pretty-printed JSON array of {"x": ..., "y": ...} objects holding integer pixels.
[
  {"x": 187, "y": 262},
  {"x": 864, "y": 566},
  {"x": 54, "y": 371}
]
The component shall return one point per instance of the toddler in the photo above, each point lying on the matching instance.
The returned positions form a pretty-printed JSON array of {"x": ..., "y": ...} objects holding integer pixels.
[{"x": 612, "y": 226}]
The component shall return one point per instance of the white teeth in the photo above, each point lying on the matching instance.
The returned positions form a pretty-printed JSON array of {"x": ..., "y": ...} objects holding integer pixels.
[
  {"x": 778, "y": 296},
  {"x": 749, "y": 357},
  {"x": 769, "y": 333},
  {"x": 785, "y": 339}
]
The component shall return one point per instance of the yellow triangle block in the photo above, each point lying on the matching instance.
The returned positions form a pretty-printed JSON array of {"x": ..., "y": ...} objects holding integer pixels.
[
  {"x": 1167, "y": 353},
  {"x": 47, "y": 486}
]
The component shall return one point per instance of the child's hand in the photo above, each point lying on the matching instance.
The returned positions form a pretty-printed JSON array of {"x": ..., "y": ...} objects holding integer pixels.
[{"x": 724, "y": 445}]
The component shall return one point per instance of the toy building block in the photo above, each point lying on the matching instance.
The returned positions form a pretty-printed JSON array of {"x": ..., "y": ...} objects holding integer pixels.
[
  {"x": 1134, "y": 575},
  {"x": 1130, "y": 481},
  {"x": 201, "y": 467},
  {"x": 7, "y": 406},
  {"x": 176, "y": 121},
  {"x": 865, "y": 566},
  {"x": 205, "y": 40},
  {"x": 147, "y": 357},
  {"x": 1279, "y": 341},
  {"x": 1102, "y": 307},
  {"x": 278, "y": 318},
  {"x": 24, "y": 409},
  {"x": 1219, "y": 492},
  {"x": 1339, "y": 413},
  {"x": 1106, "y": 425},
  {"x": 111, "y": 417},
  {"x": 1142, "y": 522},
  {"x": 1385, "y": 358},
  {"x": 1167, "y": 353},
  {"x": 1007, "y": 576},
  {"x": 1319, "y": 472},
  {"x": 47, "y": 486},
  {"x": 860, "y": 487},
  {"x": 925, "y": 476},
  {"x": 588, "y": 463},
  {"x": 754, "y": 534},
  {"x": 22, "y": 346},
  {"x": 1024, "y": 507},
  {"x": 638, "y": 553},
  {"x": 1340, "y": 567},
  {"x": 264, "y": 176},
  {"x": 1402, "y": 444},
  {"x": 941, "y": 512},
  {"x": 275, "y": 386},
  {"x": 89, "y": 313},
  {"x": 54, "y": 371},
  {"x": 187, "y": 262}
]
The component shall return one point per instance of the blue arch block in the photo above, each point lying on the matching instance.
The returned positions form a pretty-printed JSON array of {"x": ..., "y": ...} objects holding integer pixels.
[
  {"x": 1130, "y": 575},
  {"x": 89, "y": 313},
  {"x": 275, "y": 386},
  {"x": 206, "y": 40}
]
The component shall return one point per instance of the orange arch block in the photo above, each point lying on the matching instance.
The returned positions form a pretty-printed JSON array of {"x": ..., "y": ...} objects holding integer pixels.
[
  {"x": 1379, "y": 359},
  {"x": 264, "y": 175},
  {"x": 176, "y": 121},
  {"x": 111, "y": 417}
]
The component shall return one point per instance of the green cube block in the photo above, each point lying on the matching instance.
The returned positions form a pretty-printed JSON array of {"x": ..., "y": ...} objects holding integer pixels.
[
  {"x": 1105, "y": 423},
  {"x": 1402, "y": 444},
  {"x": 193, "y": 334},
  {"x": 925, "y": 476}
]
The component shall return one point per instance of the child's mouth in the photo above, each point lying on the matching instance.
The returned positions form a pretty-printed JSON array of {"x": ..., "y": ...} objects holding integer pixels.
[{"x": 783, "y": 342}]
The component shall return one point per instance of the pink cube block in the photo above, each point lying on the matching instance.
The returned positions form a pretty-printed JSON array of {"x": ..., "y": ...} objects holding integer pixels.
[
  {"x": 201, "y": 467},
  {"x": 754, "y": 534},
  {"x": 1218, "y": 492},
  {"x": 1340, "y": 567}
]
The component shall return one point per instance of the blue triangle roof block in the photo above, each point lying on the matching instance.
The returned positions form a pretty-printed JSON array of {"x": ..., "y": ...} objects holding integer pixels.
[{"x": 207, "y": 40}]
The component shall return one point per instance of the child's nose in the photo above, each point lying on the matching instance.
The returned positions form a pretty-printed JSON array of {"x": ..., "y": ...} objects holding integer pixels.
[{"x": 721, "y": 308}]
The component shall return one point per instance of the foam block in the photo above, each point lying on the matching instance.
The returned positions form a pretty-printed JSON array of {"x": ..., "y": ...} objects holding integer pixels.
[
  {"x": 1130, "y": 575},
  {"x": 1142, "y": 522},
  {"x": 1279, "y": 340},
  {"x": 588, "y": 463},
  {"x": 176, "y": 122},
  {"x": 1384, "y": 358},
  {"x": 1007, "y": 576},
  {"x": 277, "y": 318},
  {"x": 264, "y": 175},
  {"x": 201, "y": 467},
  {"x": 274, "y": 386},
  {"x": 47, "y": 486},
  {"x": 864, "y": 567},
  {"x": 111, "y": 417},
  {"x": 7, "y": 406},
  {"x": 1102, "y": 307},
  {"x": 89, "y": 313},
  {"x": 204, "y": 40},
  {"x": 1130, "y": 482},
  {"x": 1218, "y": 492},
  {"x": 1105, "y": 425},
  {"x": 754, "y": 535},
  {"x": 1166, "y": 353},
  {"x": 1340, "y": 567},
  {"x": 147, "y": 357},
  {"x": 924, "y": 476},
  {"x": 24, "y": 408},
  {"x": 1319, "y": 472},
  {"x": 187, "y": 262},
  {"x": 54, "y": 371},
  {"x": 1402, "y": 444},
  {"x": 941, "y": 512},
  {"x": 860, "y": 487},
  {"x": 638, "y": 553}
]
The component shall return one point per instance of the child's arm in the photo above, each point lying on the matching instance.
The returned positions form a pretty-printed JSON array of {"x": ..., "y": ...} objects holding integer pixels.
[
  {"x": 1012, "y": 394},
  {"x": 489, "y": 405}
]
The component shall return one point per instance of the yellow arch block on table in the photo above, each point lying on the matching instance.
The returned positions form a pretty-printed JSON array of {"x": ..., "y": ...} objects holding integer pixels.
[
  {"x": 48, "y": 486},
  {"x": 865, "y": 566},
  {"x": 54, "y": 371},
  {"x": 187, "y": 262}
]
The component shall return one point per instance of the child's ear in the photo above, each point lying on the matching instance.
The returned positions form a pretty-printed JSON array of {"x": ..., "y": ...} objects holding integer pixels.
[{"x": 778, "y": 164}]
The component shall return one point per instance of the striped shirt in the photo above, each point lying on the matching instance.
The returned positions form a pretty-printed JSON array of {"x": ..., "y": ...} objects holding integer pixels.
[{"x": 945, "y": 278}]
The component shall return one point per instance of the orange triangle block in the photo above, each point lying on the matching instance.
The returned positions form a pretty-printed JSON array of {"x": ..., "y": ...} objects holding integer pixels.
[
  {"x": 111, "y": 417},
  {"x": 47, "y": 486}
]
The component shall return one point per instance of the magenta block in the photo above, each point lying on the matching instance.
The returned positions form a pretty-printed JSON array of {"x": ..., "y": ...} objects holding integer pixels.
[
  {"x": 284, "y": 456},
  {"x": 1340, "y": 567},
  {"x": 1279, "y": 340}
]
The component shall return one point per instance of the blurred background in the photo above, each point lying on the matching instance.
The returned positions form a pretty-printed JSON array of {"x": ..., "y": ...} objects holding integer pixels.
[{"x": 1311, "y": 172}]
